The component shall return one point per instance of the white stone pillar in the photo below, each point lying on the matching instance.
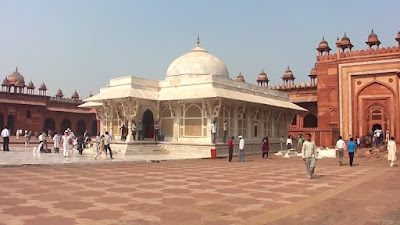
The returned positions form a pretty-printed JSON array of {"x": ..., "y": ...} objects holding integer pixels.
[
  {"x": 235, "y": 121},
  {"x": 129, "y": 131}
]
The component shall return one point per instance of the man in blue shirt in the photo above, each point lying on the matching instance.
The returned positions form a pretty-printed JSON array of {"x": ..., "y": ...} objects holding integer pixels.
[{"x": 351, "y": 147}]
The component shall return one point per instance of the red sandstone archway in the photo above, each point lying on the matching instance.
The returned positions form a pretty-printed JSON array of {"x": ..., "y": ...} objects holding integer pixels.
[
  {"x": 310, "y": 121},
  {"x": 1, "y": 121},
  {"x": 374, "y": 97}
]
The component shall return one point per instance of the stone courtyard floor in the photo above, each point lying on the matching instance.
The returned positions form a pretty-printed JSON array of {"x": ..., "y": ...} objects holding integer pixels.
[{"x": 200, "y": 191}]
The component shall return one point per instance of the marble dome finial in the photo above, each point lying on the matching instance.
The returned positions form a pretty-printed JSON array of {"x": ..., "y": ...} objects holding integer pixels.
[{"x": 198, "y": 40}]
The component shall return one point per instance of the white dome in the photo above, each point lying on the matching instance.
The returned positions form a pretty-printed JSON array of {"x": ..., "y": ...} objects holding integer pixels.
[{"x": 197, "y": 62}]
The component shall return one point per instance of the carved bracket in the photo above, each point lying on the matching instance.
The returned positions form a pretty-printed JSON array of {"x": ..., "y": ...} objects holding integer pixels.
[
  {"x": 267, "y": 114},
  {"x": 171, "y": 109},
  {"x": 277, "y": 116},
  {"x": 242, "y": 111},
  {"x": 217, "y": 108},
  {"x": 255, "y": 113}
]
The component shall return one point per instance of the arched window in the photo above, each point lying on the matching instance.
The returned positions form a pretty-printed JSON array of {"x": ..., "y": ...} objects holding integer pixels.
[
  {"x": 11, "y": 123},
  {"x": 167, "y": 122},
  {"x": 333, "y": 95},
  {"x": 50, "y": 124},
  {"x": 193, "y": 121},
  {"x": 94, "y": 128},
  {"x": 1, "y": 121},
  {"x": 66, "y": 123},
  {"x": 242, "y": 125},
  {"x": 80, "y": 127},
  {"x": 310, "y": 121}
]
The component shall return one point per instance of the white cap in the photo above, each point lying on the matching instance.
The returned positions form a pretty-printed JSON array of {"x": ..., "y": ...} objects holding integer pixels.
[{"x": 240, "y": 136}]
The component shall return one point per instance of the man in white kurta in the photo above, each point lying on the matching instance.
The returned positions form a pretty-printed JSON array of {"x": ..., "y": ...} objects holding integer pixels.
[
  {"x": 391, "y": 147},
  {"x": 309, "y": 154}
]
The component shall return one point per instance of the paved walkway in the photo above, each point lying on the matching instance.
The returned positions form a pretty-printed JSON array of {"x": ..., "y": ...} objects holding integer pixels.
[
  {"x": 20, "y": 155},
  {"x": 201, "y": 191}
]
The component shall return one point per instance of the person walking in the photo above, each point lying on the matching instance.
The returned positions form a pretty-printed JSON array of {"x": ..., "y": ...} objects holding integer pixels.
[
  {"x": 214, "y": 132},
  {"x": 66, "y": 142},
  {"x": 309, "y": 155},
  {"x": 265, "y": 147},
  {"x": 340, "y": 145},
  {"x": 391, "y": 147},
  {"x": 225, "y": 131},
  {"x": 97, "y": 142},
  {"x": 156, "y": 131},
  {"x": 299, "y": 143},
  {"x": 107, "y": 142},
  {"x": 27, "y": 137},
  {"x": 101, "y": 147},
  {"x": 80, "y": 141},
  {"x": 282, "y": 142},
  {"x": 42, "y": 140},
  {"x": 230, "y": 147},
  {"x": 351, "y": 148},
  {"x": 56, "y": 140},
  {"x": 134, "y": 130},
  {"x": 123, "y": 132},
  {"x": 289, "y": 142},
  {"x": 140, "y": 130},
  {"x": 241, "y": 149},
  {"x": 5, "y": 133}
]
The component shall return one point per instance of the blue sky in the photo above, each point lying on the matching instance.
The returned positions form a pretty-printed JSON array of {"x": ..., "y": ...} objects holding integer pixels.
[{"x": 81, "y": 44}]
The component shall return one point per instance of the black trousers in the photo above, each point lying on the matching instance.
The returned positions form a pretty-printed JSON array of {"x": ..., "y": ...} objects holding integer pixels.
[
  {"x": 5, "y": 144},
  {"x": 134, "y": 135},
  {"x": 265, "y": 153},
  {"x": 109, "y": 149},
  {"x": 230, "y": 153},
  {"x": 351, "y": 155}
]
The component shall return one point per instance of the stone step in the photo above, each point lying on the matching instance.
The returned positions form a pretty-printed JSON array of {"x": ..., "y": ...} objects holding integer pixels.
[{"x": 144, "y": 149}]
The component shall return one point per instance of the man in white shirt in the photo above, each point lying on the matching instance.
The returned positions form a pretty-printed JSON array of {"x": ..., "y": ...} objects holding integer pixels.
[
  {"x": 214, "y": 132},
  {"x": 107, "y": 142},
  {"x": 241, "y": 149},
  {"x": 309, "y": 154},
  {"x": 340, "y": 145},
  {"x": 5, "y": 133}
]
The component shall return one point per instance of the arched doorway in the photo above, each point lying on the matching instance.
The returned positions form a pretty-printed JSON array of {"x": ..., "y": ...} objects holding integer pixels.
[
  {"x": 80, "y": 127},
  {"x": 1, "y": 121},
  {"x": 148, "y": 124},
  {"x": 310, "y": 121},
  {"x": 376, "y": 127},
  {"x": 94, "y": 128},
  {"x": 49, "y": 124},
  {"x": 66, "y": 123},
  {"x": 11, "y": 123}
]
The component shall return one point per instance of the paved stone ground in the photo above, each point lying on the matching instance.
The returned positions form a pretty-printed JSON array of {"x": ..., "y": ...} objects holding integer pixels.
[{"x": 202, "y": 191}]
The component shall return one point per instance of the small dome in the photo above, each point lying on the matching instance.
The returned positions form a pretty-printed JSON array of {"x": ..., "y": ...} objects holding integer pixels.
[
  {"x": 75, "y": 95},
  {"x": 5, "y": 82},
  {"x": 59, "y": 93},
  {"x": 43, "y": 86},
  {"x": 313, "y": 71},
  {"x": 372, "y": 37},
  {"x": 16, "y": 76},
  {"x": 288, "y": 74},
  {"x": 240, "y": 78},
  {"x": 262, "y": 77},
  {"x": 323, "y": 43},
  {"x": 345, "y": 40},
  {"x": 197, "y": 62},
  {"x": 30, "y": 85}
]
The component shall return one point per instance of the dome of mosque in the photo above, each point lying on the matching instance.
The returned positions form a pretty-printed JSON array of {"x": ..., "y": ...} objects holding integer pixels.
[
  {"x": 372, "y": 37},
  {"x": 43, "y": 86},
  {"x": 345, "y": 39},
  {"x": 59, "y": 93},
  {"x": 5, "y": 82},
  {"x": 240, "y": 78},
  {"x": 323, "y": 43},
  {"x": 262, "y": 77},
  {"x": 16, "y": 76},
  {"x": 75, "y": 95},
  {"x": 313, "y": 71},
  {"x": 288, "y": 74},
  {"x": 30, "y": 85},
  {"x": 197, "y": 62}
]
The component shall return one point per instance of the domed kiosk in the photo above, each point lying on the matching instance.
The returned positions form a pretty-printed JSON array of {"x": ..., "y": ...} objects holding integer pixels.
[{"x": 196, "y": 92}]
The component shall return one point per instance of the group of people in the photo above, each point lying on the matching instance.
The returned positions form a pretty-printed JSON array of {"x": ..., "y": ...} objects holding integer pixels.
[
  {"x": 103, "y": 143},
  {"x": 140, "y": 131},
  {"x": 214, "y": 131}
]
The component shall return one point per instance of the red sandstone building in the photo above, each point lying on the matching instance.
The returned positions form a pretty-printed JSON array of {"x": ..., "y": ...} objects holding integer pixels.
[
  {"x": 22, "y": 107},
  {"x": 358, "y": 91}
]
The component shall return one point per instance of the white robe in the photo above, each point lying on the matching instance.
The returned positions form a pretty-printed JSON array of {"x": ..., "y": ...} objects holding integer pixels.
[{"x": 391, "y": 147}]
